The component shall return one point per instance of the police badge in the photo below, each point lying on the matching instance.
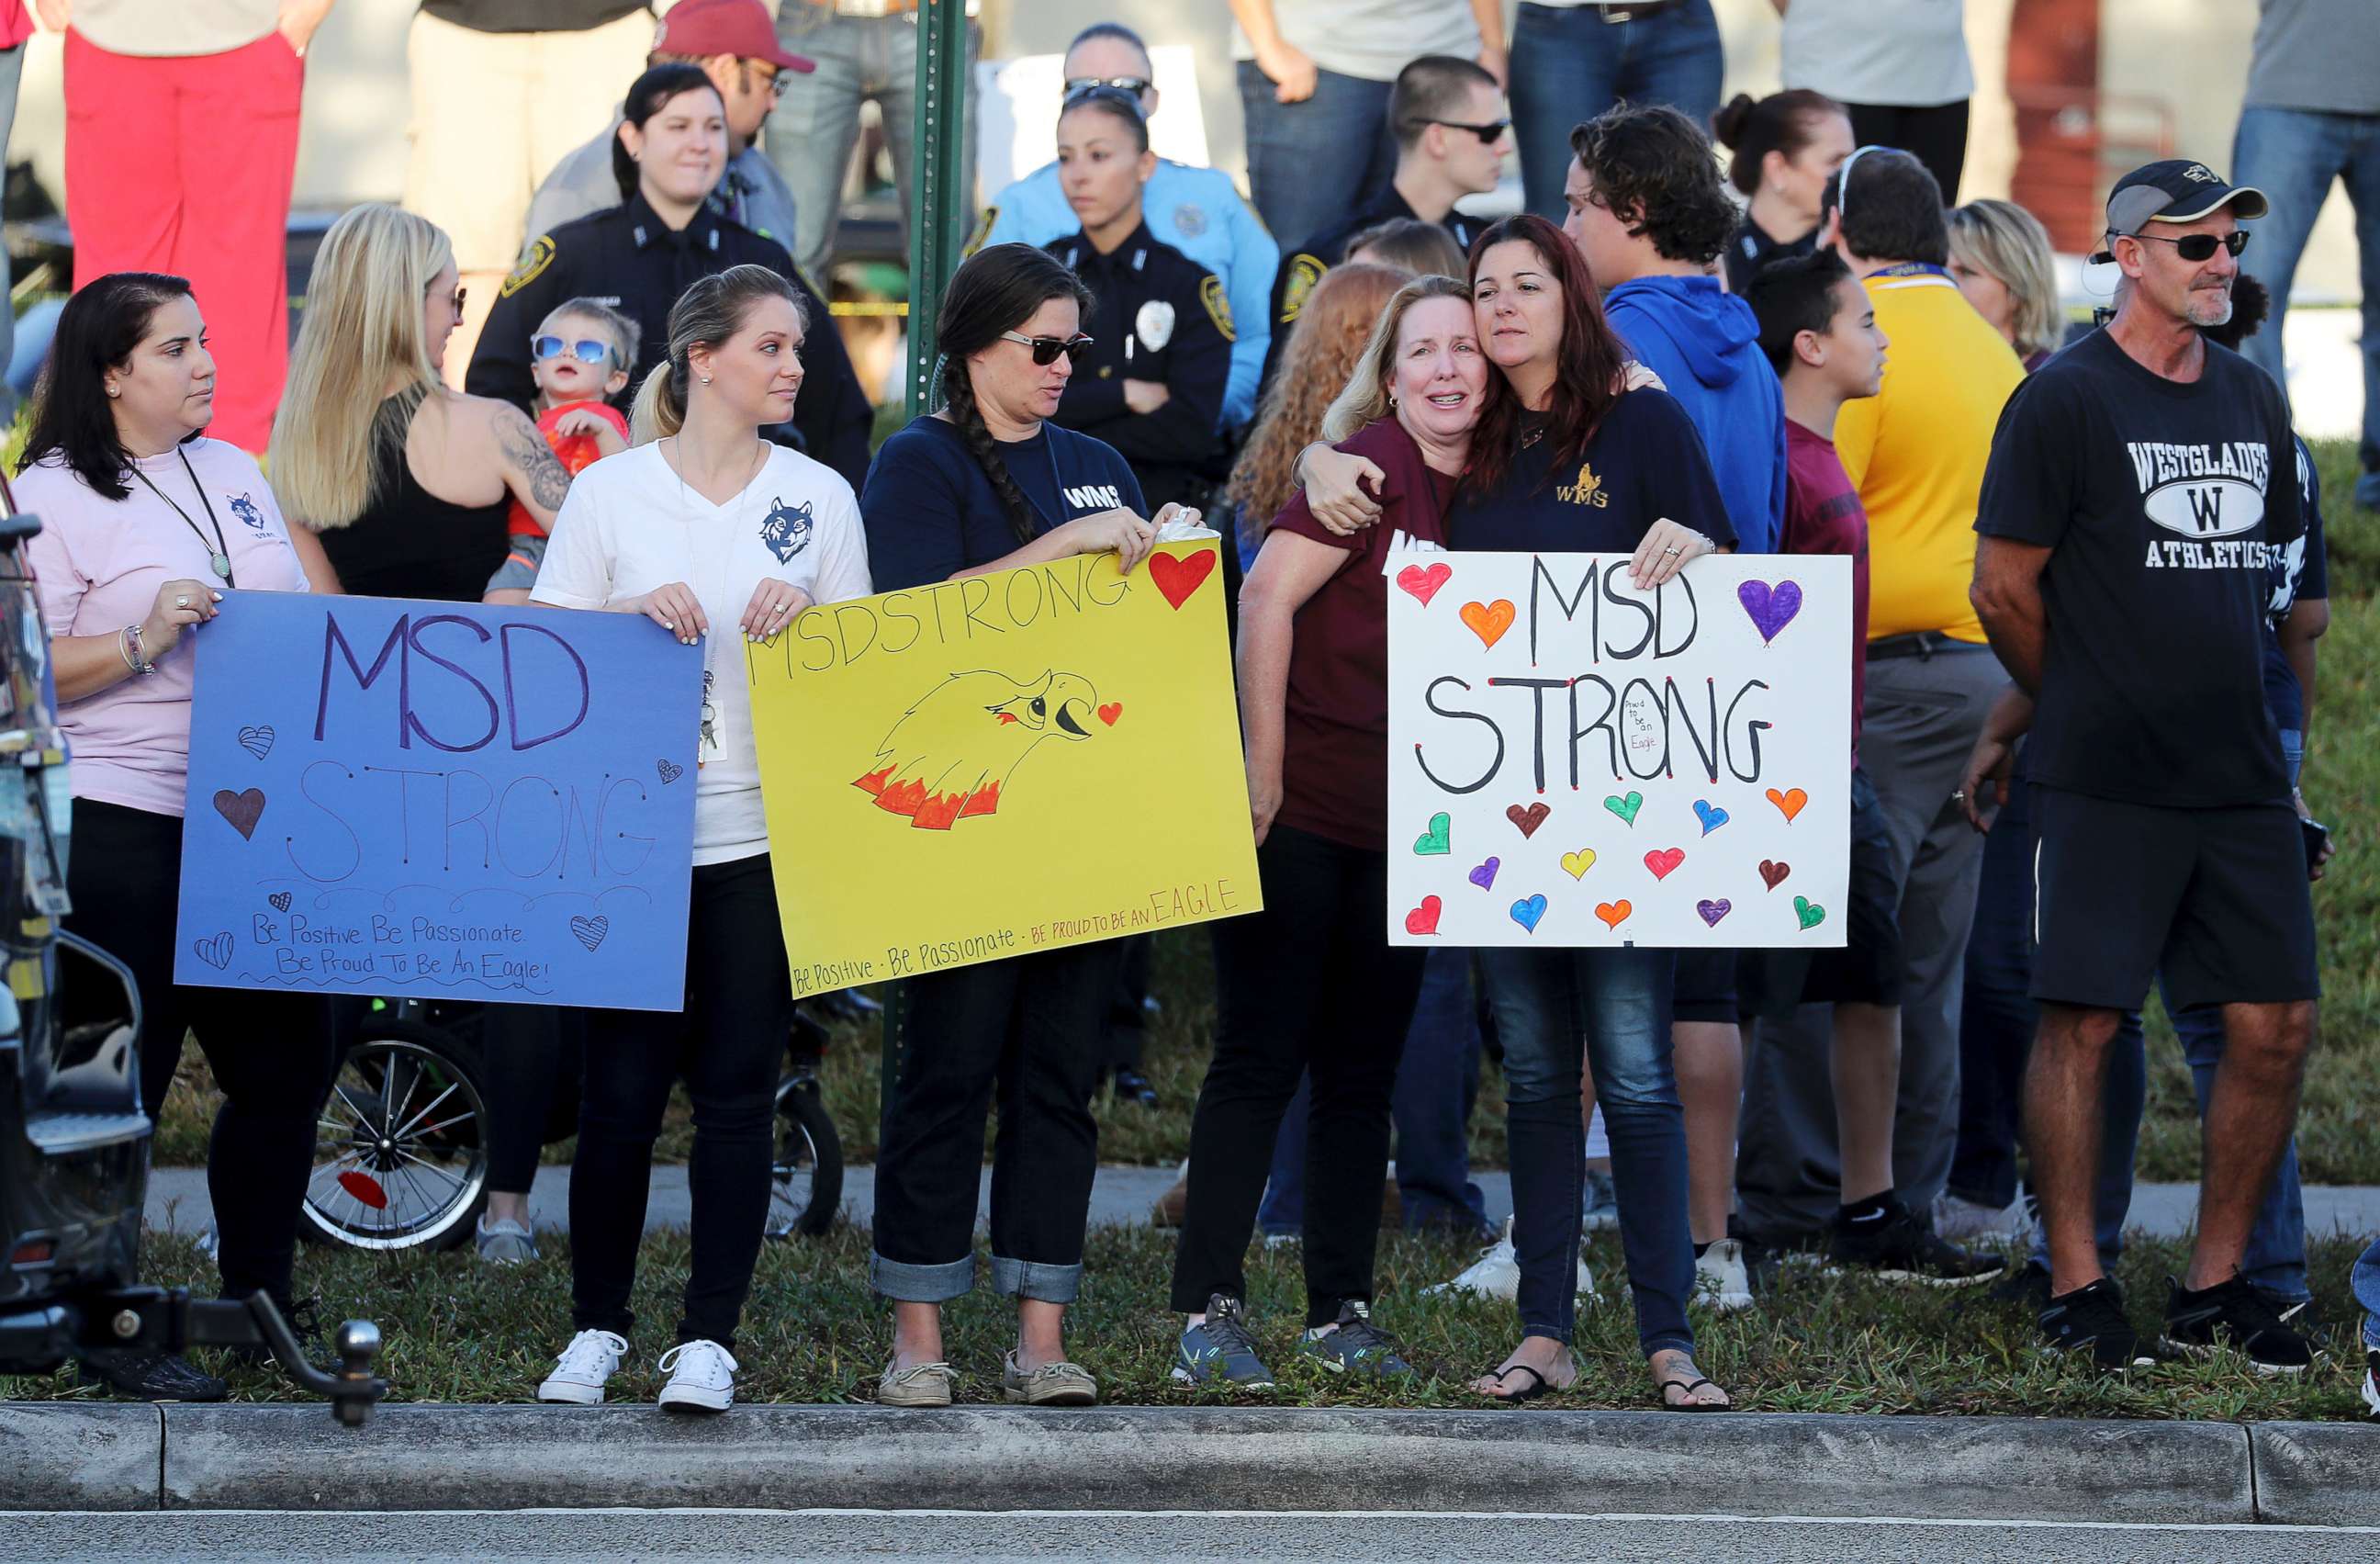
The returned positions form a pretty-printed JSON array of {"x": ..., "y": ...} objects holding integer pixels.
[{"x": 1154, "y": 325}]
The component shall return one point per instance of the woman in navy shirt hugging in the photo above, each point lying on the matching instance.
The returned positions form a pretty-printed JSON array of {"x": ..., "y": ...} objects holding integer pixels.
[
  {"x": 987, "y": 483},
  {"x": 1572, "y": 460}
]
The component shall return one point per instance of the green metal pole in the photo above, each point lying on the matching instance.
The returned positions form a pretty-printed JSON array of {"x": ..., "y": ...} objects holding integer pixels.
[{"x": 938, "y": 181}]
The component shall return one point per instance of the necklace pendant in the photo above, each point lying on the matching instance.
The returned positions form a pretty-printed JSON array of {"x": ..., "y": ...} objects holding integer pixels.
[{"x": 220, "y": 564}]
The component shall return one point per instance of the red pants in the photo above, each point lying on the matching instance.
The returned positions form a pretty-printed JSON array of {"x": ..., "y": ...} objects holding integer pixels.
[{"x": 183, "y": 165}]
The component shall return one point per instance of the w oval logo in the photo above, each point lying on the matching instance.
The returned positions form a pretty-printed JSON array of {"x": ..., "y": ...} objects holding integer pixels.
[{"x": 786, "y": 529}]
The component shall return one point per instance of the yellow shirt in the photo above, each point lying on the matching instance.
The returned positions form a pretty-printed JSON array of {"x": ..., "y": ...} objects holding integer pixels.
[{"x": 1916, "y": 453}]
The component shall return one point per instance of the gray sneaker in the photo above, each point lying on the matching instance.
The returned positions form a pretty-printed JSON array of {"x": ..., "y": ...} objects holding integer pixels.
[
  {"x": 1599, "y": 1205},
  {"x": 1222, "y": 1351},
  {"x": 1355, "y": 1344},
  {"x": 506, "y": 1243}
]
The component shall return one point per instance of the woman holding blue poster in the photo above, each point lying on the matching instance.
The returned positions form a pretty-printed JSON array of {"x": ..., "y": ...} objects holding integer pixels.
[
  {"x": 719, "y": 537},
  {"x": 146, "y": 525}
]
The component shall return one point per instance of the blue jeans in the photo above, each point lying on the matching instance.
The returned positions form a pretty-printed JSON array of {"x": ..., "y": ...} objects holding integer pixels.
[
  {"x": 1311, "y": 164},
  {"x": 1437, "y": 1083},
  {"x": 2365, "y": 1282},
  {"x": 1613, "y": 1005},
  {"x": 811, "y": 132},
  {"x": 2275, "y": 1257},
  {"x": 2292, "y": 155},
  {"x": 1570, "y": 65},
  {"x": 1996, "y": 1018}
]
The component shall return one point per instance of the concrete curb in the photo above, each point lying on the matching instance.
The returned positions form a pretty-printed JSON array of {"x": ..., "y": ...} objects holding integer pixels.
[
  {"x": 1204, "y": 1459},
  {"x": 69, "y": 1455},
  {"x": 2317, "y": 1473}
]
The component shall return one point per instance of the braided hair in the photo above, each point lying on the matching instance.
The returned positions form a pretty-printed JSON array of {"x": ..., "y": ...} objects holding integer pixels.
[{"x": 995, "y": 291}]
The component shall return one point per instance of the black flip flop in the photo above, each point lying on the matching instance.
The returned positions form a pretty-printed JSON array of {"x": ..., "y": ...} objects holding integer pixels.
[
  {"x": 1688, "y": 1386},
  {"x": 1531, "y": 1394}
]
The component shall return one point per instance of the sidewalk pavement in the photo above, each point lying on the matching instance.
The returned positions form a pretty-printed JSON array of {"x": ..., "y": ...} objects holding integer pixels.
[{"x": 1122, "y": 1197}]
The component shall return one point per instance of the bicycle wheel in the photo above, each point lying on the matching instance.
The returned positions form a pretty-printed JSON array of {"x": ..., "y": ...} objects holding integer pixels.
[
  {"x": 400, "y": 1161},
  {"x": 806, "y": 1182}
]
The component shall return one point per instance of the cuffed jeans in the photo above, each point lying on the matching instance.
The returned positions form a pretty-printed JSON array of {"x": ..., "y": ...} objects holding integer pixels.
[
  {"x": 1612, "y": 1006},
  {"x": 1569, "y": 65},
  {"x": 1310, "y": 163},
  {"x": 1030, "y": 1031},
  {"x": 2292, "y": 155},
  {"x": 811, "y": 132},
  {"x": 1309, "y": 983},
  {"x": 1438, "y": 1085}
]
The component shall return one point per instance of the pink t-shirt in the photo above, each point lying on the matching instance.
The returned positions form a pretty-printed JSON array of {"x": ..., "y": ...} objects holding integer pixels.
[{"x": 98, "y": 564}]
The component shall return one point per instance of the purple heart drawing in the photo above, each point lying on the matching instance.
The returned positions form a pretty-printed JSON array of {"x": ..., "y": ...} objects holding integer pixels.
[
  {"x": 1484, "y": 875},
  {"x": 1772, "y": 608},
  {"x": 1713, "y": 911}
]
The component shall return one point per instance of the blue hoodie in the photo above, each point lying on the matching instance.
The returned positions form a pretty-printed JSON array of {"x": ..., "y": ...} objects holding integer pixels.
[{"x": 1704, "y": 343}]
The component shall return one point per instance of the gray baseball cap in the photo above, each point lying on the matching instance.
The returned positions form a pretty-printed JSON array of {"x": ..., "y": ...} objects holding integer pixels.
[{"x": 2175, "y": 190}]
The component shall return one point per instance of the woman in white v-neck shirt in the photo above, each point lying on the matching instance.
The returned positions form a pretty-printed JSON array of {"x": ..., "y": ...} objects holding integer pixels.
[{"x": 715, "y": 535}]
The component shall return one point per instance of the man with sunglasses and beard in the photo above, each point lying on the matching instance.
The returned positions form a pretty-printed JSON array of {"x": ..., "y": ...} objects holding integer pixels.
[{"x": 2141, "y": 487}]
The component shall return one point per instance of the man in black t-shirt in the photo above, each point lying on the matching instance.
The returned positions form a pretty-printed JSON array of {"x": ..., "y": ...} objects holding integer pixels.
[{"x": 2140, "y": 486}]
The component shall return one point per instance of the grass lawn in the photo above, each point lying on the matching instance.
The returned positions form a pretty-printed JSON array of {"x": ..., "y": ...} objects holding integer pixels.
[
  {"x": 2340, "y": 1125},
  {"x": 459, "y": 1331}
]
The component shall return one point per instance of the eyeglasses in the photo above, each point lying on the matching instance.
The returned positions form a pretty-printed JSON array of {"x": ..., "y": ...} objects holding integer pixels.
[
  {"x": 1488, "y": 134},
  {"x": 586, "y": 350},
  {"x": 1104, "y": 92},
  {"x": 1046, "y": 349},
  {"x": 2195, "y": 247},
  {"x": 1135, "y": 85},
  {"x": 773, "y": 83},
  {"x": 459, "y": 295}
]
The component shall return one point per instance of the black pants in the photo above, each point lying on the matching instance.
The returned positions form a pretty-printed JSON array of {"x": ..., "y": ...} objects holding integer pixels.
[
  {"x": 1935, "y": 137},
  {"x": 728, "y": 1044},
  {"x": 1030, "y": 1030},
  {"x": 533, "y": 1055},
  {"x": 1307, "y": 983},
  {"x": 270, "y": 1052}
]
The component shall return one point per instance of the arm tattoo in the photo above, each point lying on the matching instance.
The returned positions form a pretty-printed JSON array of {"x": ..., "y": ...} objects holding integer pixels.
[{"x": 526, "y": 449}]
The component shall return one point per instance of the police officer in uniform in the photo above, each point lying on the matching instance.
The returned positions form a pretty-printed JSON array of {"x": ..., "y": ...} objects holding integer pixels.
[
  {"x": 1452, "y": 131},
  {"x": 640, "y": 256},
  {"x": 1152, "y": 384}
]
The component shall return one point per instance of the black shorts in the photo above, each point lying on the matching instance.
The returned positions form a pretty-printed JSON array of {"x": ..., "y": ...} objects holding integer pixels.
[
  {"x": 1703, "y": 987},
  {"x": 2216, "y": 900},
  {"x": 1868, "y": 969}
]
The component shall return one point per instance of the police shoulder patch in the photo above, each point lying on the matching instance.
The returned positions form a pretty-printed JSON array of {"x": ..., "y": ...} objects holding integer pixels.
[
  {"x": 1218, "y": 308},
  {"x": 1303, "y": 271},
  {"x": 533, "y": 263},
  {"x": 982, "y": 229}
]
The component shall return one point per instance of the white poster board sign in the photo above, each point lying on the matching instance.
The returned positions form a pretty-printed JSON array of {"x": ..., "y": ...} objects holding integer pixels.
[{"x": 1572, "y": 762}]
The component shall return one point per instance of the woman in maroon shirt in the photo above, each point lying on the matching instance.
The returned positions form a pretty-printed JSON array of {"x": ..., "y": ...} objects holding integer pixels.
[{"x": 1311, "y": 981}]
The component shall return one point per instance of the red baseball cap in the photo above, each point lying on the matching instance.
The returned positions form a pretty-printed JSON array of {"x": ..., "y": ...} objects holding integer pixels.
[{"x": 741, "y": 28}]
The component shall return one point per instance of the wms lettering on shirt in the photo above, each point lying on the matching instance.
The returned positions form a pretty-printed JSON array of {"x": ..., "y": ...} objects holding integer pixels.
[{"x": 2208, "y": 493}]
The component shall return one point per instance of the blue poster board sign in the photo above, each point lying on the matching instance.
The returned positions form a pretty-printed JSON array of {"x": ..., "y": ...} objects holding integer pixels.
[{"x": 439, "y": 801}]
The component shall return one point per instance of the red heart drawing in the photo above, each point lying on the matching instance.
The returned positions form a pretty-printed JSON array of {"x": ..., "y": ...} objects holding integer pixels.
[
  {"x": 1423, "y": 920},
  {"x": 1774, "y": 872},
  {"x": 1663, "y": 861},
  {"x": 1109, "y": 712},
  {"x": 1528, "y": 819},
  {"x": 1177, "y": 575},
  {"x": 1423, "y": 583}
]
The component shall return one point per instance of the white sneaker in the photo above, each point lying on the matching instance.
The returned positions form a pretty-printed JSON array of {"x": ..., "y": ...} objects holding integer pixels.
[
  {"x": 704, "y": 1379},
  {"x": 1496, "y": 1273},
  {"x": 1964, "y": 1222},
  {"x": 593, "y": 1356},
  {"x": 1720, "y": 1279}
]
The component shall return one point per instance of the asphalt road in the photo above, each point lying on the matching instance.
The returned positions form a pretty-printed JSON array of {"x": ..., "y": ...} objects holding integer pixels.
[{"x": 220, "y": 1537}]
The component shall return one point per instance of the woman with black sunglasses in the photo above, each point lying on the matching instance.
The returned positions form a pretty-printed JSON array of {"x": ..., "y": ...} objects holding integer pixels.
[
  {"x": 1160, "y": 330},
  {"x": 989, "y": 483}
]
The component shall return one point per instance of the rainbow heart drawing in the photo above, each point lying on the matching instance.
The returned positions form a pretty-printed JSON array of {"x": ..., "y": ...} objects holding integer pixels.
[{"x": 1527, "y": 911}]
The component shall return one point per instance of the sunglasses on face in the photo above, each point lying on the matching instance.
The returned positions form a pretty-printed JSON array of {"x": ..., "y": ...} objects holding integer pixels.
[
  {"x": 1046, "y": 349},
  {"x": 1135, "y": 85},
  {"x": 1488, "y": 134},
  {"x": 459, "y": 304},
  {"x": 587, "y": 351},
  {"x": 2195, "y": 247}
]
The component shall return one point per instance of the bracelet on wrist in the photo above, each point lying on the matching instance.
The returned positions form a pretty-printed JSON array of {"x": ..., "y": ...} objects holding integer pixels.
[{"x": 136, "y": 657}]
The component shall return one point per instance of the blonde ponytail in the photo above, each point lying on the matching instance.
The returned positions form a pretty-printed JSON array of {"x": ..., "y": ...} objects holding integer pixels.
[{"x": 660, "y": 409}]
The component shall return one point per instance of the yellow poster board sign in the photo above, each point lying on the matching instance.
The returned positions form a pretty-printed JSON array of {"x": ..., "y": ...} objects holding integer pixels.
[{"x": 1011, "y": 763}]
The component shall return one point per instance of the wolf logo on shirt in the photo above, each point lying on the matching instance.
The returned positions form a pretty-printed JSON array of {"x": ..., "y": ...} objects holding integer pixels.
[
  {"x": 786, "y": 529},
  {"x": 245, "y": 508},
  {"x": 2203, "y": 493}
]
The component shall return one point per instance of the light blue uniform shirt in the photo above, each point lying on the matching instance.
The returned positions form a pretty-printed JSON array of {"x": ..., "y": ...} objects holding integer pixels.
[{"x": 1200, "y": 212}]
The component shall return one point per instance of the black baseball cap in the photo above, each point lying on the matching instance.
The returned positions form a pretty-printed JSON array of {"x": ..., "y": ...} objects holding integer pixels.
[{"x": 2174, "y": 190}]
